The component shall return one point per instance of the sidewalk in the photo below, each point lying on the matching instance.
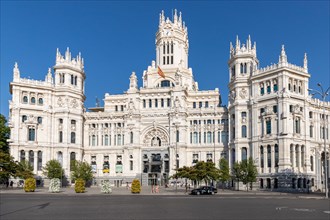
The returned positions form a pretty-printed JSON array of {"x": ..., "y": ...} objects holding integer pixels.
[{"x": 146, "y": 190}]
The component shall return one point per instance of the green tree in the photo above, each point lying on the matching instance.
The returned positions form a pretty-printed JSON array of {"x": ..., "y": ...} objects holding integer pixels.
[
  {"x": 53, "y": 169},
  {"x": 4, "y": 134},
  {"x": 249, "y": 172},
  {"x": 82, "y": 170},
  {"x": 7, "y": 165},
  {"x": 24, "y": 170},
  {"x": 237, "y": 172},
  {"x": 224, "y": 175},
  {"x": 205, "y": 171}
]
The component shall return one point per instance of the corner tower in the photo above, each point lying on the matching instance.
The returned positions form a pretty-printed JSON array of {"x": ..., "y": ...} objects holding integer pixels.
[{"x": 242, "y": 64}]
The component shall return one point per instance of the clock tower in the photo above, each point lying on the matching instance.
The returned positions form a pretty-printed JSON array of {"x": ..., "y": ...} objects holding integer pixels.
[{"x": 172, "y": 42}]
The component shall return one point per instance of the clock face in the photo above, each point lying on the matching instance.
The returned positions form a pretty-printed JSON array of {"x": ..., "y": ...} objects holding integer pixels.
[{"x": 167, "y": 32}]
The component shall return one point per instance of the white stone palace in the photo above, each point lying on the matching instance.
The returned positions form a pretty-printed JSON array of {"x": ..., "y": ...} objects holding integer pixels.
[{"x": 148, "y": 132}]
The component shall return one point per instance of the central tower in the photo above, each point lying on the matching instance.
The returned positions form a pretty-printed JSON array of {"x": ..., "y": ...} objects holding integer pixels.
[{"x": 172, "y": 42}]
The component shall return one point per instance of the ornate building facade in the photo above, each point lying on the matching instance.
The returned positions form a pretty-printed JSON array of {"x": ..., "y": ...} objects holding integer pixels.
[{"x": 148, "y": 132}]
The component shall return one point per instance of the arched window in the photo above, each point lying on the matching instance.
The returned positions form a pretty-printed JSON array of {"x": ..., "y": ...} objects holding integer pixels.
[
  {"x": 25, "y": 99},
  {"x": 75, "y": 80},
  {"x": 297, "y": 153},
  {"x": 297, "y": 125},
  {"x": 165, "y": 83},
  {"x": 131, "y": 137},
  {"x": 39, "y": 165},
  {"x": 39, "y": 119},
  {"x": 119, "y": 139},
  {"x": 22, "y": 156},
  {"x": 33, "y": 100},
  {"x": 60, "y": 157},
  {"x": 24, "y": 118},
  {"x": 302, "y": 155},
  {"x": 262, "y": 157},
  {"x": 40, "y": 101},
  {"x": 106, "y": 140},
  {"x": 269, "y": 156},
  {"x": 242, "y": 68},
  {"x": 195, "y": 139},
  {"x": 93, "y": 140},
  {"x": 162, "y": 102},
  {"x": 276, "y": 155},
  {"x": 156, "y": 103},
  {"x": 209, "y": 137},
  {"x": 31, "y": 158},
  {"x": 73, "y": 137},
  {"x": 244, "y": 153},
  {"x": 291, "y": 155},
  {"x": 72, "y": 160},
  {"x": 312, "y": 163},
  {"x": 177, "y": 136},
  {"x": 244, "y": 135}
]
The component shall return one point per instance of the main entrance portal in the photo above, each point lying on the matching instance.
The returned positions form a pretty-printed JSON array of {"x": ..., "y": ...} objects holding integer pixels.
[{"x": 155, "y": 157}]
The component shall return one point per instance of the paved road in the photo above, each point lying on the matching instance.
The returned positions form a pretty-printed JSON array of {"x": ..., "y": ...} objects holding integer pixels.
[{"x": 88, "y": 206}]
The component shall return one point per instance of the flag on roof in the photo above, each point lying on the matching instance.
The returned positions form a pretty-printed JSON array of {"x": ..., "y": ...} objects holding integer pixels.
[{"x": 160, "y": 72}]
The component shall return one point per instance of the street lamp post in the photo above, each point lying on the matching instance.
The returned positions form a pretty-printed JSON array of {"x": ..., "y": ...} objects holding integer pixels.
[{"x": 323, "y": 94}]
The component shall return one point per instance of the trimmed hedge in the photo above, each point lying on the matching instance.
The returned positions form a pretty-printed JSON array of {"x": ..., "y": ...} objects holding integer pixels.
[
  {"x": 79, "y": 186},
  {"x": 30, "y": 185},
  {"x": 136, "y": 186}
]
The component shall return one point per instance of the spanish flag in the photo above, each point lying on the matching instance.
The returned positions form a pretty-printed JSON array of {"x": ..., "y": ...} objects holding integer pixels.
[{"x": 160, "y": 72}]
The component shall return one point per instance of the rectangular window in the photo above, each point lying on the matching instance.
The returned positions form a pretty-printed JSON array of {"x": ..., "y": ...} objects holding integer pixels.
[
  {"x": 162, "y": 102},
  {"x": 116, "y": 108},
  {"x": 275, "y": 88},
  {"x": 150, "y": 103},
  {"x": 311, "y": 131},
  {"x": 122, "y": 108},
  {"x": 31, "y": 134},
  {"x": 262, "y": 90},
  {"x": 164, "y": 60},
  {"x": 194, "y": 104},
  {"x": 171, "y": 59},
  {"x": 156, "y": 103},
  {"x": 206, "y": 104},
  {"x": 131, "y": 165},
  {"x": 60, "y": 138},
  {"x": 168, "y": 102},
  {"x": 268, "y": 127},
  {"x": 200, "y": 104},
  {"x": 268, "y": 89},
  {"x": 275, "y": 108}
]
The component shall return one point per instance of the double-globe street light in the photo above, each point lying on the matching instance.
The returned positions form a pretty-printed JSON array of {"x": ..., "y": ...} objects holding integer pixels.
[{"x": 323, "y": 93}]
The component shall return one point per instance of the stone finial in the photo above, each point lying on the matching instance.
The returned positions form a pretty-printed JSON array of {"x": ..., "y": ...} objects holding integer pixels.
[
  {"x": 283, "y": 58},
  {"x": 16, "y": 73},
  {"x": 305, "y": 62},
  {"x": 49, "y": 77}
]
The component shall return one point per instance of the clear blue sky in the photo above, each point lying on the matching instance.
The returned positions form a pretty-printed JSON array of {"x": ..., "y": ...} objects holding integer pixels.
[{"x": 116, "y": 38}]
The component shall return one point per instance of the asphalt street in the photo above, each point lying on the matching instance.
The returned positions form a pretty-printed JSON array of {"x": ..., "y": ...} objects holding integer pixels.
[{"x": 83, "y": 206}]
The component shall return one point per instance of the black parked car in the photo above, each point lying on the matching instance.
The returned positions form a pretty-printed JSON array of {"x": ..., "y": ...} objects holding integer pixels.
[{"x": 208, "y": 190}]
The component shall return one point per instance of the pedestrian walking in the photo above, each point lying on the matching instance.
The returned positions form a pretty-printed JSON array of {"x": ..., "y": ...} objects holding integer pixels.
[{"x": 11, "y": 184}]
